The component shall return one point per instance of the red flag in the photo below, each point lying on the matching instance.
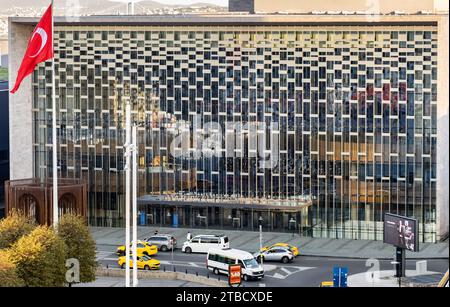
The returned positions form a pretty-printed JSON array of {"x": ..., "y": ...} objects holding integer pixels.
[{"x": 40, "y": 48}]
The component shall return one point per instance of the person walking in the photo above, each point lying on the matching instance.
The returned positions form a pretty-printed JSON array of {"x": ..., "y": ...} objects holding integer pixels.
[{"x": 189, "y": 236}]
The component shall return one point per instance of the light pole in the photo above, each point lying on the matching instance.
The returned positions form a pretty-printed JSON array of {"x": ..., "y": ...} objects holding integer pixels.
[
  {"x": 260, "y": 222},
  {"x": 172, "y": 243},
  {"x": 292, "y": 222}
]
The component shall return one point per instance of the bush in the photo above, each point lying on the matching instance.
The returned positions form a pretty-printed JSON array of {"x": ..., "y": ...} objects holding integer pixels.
[
  {"x": 8, "y": 271},
  {"x": 13, "y": 227},
  {"x": 40, "y": 258},
  {"x": 72, "y": 229}
]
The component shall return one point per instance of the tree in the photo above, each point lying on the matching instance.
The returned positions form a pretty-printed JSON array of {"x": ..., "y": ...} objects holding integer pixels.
[
  {"x": 13, "y": 227},
  {"x": 72, "y": 229},
  {"x": 8, "y": 271},
  {"x": 40, "y": 258}
]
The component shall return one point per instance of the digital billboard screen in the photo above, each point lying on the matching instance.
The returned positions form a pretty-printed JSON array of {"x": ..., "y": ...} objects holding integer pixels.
[{"x": 401, "y": 232}]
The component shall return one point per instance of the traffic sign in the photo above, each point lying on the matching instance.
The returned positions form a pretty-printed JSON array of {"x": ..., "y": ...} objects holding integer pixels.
[
  {"x": 340, "y": 277},
  {"x": 234, "y": 275}
]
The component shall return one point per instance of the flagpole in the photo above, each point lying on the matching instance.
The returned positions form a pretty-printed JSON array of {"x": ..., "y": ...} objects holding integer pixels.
[
  {"x": 127, "y": 191},
  {"x": 54, "y": 137},
  {"x": 134, "y": 204}
]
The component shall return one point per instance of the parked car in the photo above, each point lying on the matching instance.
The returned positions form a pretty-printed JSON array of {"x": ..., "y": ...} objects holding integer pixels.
[
  {"x": 144, "y": 262},
  {"x": 219, "y": 260},
  {"x": 143, "y": 248},
  {"x": 203, "y": 243},
  {"x": 276, "y": 253},
  {"x": 163, "y": 242},
  {"x": 292, "y": 248}
]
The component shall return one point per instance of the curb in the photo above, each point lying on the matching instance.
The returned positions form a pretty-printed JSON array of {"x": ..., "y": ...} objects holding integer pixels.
[
  {"x": 384, "y": 257},
  {"x": 371, "y": 257},
  {"x": 164, "y": 275}
]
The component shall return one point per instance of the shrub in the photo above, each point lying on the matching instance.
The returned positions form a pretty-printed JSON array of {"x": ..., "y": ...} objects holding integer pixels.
[
  {"x": 40, "y": 258},
  {"x": 13, "y": 227},
  {"x": 8, "y": 271},
  {"x": 72, "y": 229}
]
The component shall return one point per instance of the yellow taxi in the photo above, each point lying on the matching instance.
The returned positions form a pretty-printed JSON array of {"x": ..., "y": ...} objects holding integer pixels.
[
  {"x": 293, "y": 249},
  {"x": 143, "y": 248},
  {"x": 143, "y": 262}
]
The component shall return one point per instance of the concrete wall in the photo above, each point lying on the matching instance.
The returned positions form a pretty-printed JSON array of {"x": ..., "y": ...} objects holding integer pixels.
[
  {"x": 212, "y": 282},
  {"x": 20, "y": 113},
  {"x": 298, "y": 6},
  {"x": 443, "y": 188}
]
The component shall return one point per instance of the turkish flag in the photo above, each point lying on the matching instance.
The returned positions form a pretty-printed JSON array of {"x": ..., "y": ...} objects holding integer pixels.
[{"x": 40, "y": 48}]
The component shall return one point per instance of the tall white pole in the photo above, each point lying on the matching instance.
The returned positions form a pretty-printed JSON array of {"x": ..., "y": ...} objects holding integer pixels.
[
  {"x": 54, "y": 136},
  {"x": 127, "y": 192},
  {"x": 134, "y": 204}
]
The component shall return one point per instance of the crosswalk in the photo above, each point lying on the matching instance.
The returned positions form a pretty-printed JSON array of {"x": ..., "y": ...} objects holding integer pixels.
[{"x": 283, "y": 272}]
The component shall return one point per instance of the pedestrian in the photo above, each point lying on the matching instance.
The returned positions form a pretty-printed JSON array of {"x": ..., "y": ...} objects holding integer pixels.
[
  {"x": 189, "y": 236},
  {"x": 156, "y": 232}
]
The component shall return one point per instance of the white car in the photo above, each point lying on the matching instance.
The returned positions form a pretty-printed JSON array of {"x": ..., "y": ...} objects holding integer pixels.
[
  {"x": 219, "y": 260},
  {"x": 203, "y": 243},
  {"x": 275, "y": 253}
]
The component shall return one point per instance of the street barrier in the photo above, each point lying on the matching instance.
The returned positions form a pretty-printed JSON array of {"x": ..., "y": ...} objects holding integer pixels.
[{"x": 103, "y": 272}]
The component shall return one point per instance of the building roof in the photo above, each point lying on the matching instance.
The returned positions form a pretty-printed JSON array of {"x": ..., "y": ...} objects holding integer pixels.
[
  {"x": 238, "y": 20},
  {"x": 378, "y": 6}
]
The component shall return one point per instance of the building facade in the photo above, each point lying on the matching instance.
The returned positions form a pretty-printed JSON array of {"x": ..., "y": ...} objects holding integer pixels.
[
  {"x": 4, "y": 142},
  {"x": 319, "y": 124}
]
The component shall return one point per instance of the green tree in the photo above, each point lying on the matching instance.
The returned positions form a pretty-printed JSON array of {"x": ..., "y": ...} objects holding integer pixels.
[
  {"x": 8, "y": 271},
  {"x": 13, "y": 227},
  {"x": 72, "y": 229},
  {"x": 40, "y": 258}
]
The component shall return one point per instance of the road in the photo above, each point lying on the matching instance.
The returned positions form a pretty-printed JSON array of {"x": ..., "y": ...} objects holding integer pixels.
[{"x": 302, "y": 272}]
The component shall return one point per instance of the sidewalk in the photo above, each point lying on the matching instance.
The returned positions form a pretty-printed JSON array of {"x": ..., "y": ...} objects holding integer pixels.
[
  {"x": 119, "y": 282},
  {"x": 386, "y": 279},
  {"x": 246, "y": 240}
]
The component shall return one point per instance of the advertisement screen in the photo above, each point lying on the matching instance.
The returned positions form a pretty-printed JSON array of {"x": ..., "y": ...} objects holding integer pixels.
[{"x": 401, "y": 232}]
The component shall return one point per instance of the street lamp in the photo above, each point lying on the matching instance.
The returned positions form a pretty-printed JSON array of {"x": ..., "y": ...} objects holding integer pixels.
[{"x": 260, "y": 222}]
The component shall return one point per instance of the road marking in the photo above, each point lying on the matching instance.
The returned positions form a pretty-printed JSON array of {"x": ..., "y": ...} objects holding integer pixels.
[
  {"x": 286, "y": 271},
  {"x": 269, "y": 267},
  {"x": 262, "y": 285},
  {"x": 277, "y": 276},
  {"x": 102, "y": 255}
]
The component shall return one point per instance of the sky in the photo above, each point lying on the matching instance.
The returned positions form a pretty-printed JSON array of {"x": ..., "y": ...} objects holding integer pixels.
[{"x": 185, "y": 2}]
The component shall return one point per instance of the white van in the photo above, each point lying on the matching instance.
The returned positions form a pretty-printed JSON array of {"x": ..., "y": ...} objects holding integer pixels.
[
  {"x": 218, "y": 261},
  {"x": 203, "y": 243}
]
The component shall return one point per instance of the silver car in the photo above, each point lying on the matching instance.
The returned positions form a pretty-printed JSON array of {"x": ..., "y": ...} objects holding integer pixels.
[
  {"x": 275, "y": 253},
  {"x": 163, "y": 242}
]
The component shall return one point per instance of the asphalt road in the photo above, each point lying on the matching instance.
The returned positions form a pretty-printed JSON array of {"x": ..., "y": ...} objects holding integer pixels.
[{"x": 302, "y": 272}]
